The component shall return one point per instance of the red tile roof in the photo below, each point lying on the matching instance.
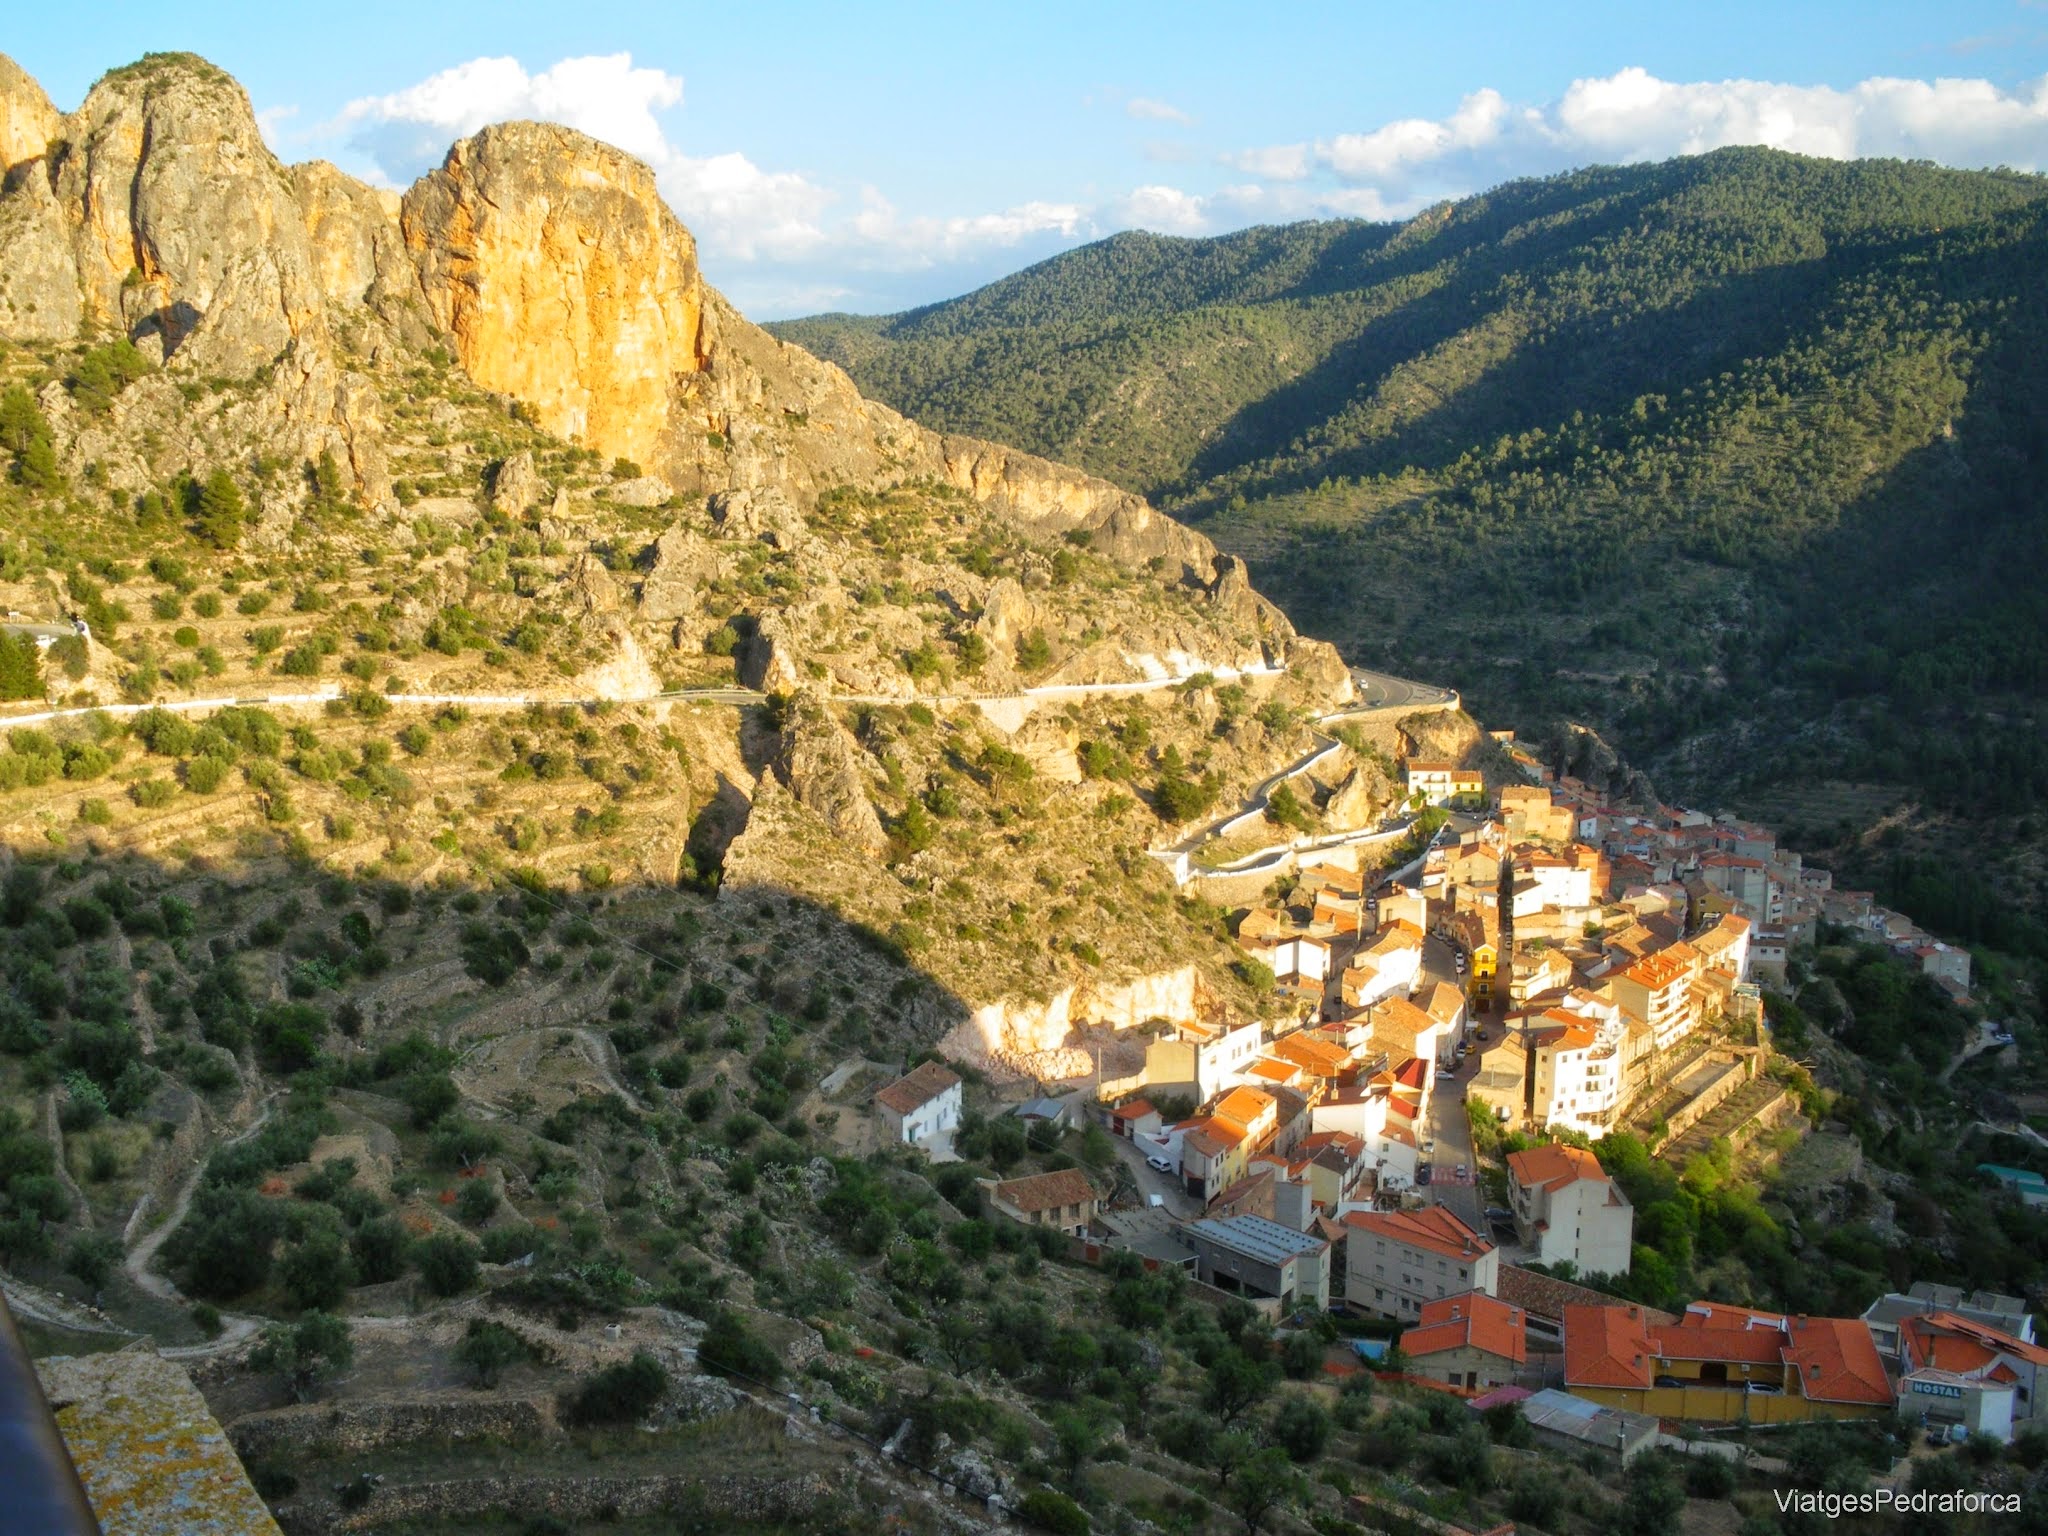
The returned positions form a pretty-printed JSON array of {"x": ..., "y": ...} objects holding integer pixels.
[
  {"x": 1452, "y": 1322},
  {"x": 1606, "y": 1347},
  {"x": 1990, "y": 1338},
  {"x": 1432, "y": 1228},
  {"x": 1656, "y": 971},
  {"x": 917, "y": 1088},
  {"x": 1318, "y": 1056},
  {"x": 1837, "y": 1361},
  {"x": 1553, "y": 1166},
  {"x": 1752, "y": 1346}
]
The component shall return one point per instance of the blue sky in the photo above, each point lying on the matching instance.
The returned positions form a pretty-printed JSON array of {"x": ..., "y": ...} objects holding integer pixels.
[{"x": 874, "y": 156}]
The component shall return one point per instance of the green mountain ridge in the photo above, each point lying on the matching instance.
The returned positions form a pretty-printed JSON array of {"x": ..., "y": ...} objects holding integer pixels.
[{"x": 1621, "y": 447}]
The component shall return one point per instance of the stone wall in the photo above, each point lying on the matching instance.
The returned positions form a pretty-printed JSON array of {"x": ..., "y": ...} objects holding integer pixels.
[
  {"x": 751, "y": 1499},
  {"x": 331, "y": 1429}
]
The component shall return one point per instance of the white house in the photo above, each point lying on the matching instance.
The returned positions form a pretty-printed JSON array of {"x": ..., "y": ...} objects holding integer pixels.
[
  {"x": 1439, "y": 783},
  {"x": 1546, "y": 880},
  {"x": 1579, "y": 1068},
  {"x": 1725, "y": 946},
  {"x": 921, "y": 1105},
  {"x": 1298, "y": 955},
  {"x": 1204, "y": 1059},
  {"x": 1569, "y": 1210},
  {"x": 1387, "y": 967}
]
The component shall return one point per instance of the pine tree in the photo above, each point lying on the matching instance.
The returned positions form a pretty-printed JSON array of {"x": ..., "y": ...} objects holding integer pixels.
[
  {"x": 221, "y": 510},
  {"x": 26, "y": 435},
  {"x": 330, "y": 490},
  {"x": 21, "y": 668}
]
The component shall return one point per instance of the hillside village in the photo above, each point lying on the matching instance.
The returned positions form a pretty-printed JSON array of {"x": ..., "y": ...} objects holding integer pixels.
[
  {"x": 1552, "y": 968},
  {"x": 680, "y": 950}
]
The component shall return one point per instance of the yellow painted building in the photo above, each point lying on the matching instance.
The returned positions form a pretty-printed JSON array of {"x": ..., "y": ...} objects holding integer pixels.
[{"x": 1722, "y": 1364}]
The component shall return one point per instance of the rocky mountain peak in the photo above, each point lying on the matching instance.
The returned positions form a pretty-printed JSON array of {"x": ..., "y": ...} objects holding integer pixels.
[
  {"x": 563, "y": 279},
  {"x": 158, "y": 211}
]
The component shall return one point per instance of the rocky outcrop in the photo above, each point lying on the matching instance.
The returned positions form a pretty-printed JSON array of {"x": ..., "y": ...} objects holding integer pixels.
[
  {"x": 352, "y": 232},
  {"x": 1361, "y": 799},
  {"x": 517, "y": 485},
  {"x": 821, "y": 766},
  {"x": 766, "y": 513},
  {"x": 1031, "y": 1036},
  {"x": 185, "y": 228},
  {"x": 27, "y": 120},
  {"x": 681, "y": 564},
  {"x": 1007, "y": 616},
  {"x": 641, "y": 491},
  {"x": 562, "y": 279},
  {"x": 767, "y": 658},
  {"x": 1049, "y": 501},
  {"x": 38, "y": 274}
]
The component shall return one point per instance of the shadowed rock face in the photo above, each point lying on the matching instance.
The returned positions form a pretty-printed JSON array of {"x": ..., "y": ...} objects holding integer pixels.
[{"x": 563, "y": 280}]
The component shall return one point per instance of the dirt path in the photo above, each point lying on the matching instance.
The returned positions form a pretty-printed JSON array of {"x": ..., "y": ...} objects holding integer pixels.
[{"x": 142, "y": 1252}]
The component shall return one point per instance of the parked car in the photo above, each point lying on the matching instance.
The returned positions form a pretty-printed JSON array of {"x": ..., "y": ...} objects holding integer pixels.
[
  {"x": 1156, "y": 1161},
  {"x": 1428, "y": 1145},
  {"x": 1422, "y": 1173},
  {"x": 1499, "y": 1213},
  {"x": 1464, "y": 1173}
]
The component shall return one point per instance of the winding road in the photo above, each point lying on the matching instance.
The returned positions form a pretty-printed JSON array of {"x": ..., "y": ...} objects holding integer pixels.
[
  {"x": 1377, "y": 694},
  {"x": 320, "y": 698}
]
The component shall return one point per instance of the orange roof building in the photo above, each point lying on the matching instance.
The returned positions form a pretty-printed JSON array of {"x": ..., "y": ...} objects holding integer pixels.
[
  {"x": 1722, "y": 1363},
  {"x": 1472, "y": 1341}
]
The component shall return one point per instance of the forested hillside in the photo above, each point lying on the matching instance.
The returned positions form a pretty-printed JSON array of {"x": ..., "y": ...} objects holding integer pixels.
[{"x": 1737, "y": 458}]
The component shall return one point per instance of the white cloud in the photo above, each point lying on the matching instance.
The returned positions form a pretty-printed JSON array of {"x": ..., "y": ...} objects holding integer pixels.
[
  {"x": 1150, "y": 110},
  {"x": 1415, "y": 140},
  {"x": 605, "y": 96},
  {"x": 1276, "y": 162},
  {"x": 1633, "y": 115},
  {"x": 882, "y": 234},
  {"x": 1165, "y": 210},
  {"x": 742, "y": 211}
]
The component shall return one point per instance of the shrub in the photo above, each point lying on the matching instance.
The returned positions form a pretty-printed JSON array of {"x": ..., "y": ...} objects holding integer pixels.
[
  {"x": 447, "y": 1264},
  {"x": 730, "y": 1348},
  {"x": 152, "y": 794},
  {"x": 477, "y": 1203},
  {"x": 93, "y": 1257},
  {"x": 619, "y": 1394},
  {"x": 204, "y": 775},
  {"x": 488, "y": 1348},
  {"x": 319, "y": 1345},
  {"x": 1047, "y": 1509}
]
